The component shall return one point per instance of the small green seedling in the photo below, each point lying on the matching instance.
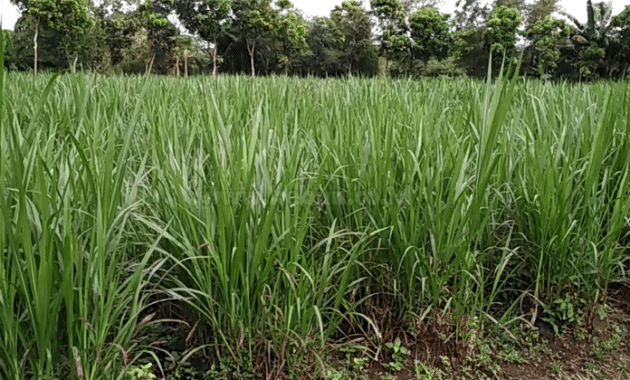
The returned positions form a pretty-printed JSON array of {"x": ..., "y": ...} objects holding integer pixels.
[
  {"x": 399, "y": 353},
  {"x": 143, "y": 372}
]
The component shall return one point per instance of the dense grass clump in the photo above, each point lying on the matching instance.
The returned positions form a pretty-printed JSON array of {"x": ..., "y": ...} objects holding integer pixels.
[{"x": 282, "y": 210}]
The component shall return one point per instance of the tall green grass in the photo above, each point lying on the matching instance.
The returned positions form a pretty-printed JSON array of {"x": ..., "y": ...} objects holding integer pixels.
[{"x": 278, "y": 208}]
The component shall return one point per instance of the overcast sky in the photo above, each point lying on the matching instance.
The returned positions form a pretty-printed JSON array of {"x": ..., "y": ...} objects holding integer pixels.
[{"x": 322, "y": 7}]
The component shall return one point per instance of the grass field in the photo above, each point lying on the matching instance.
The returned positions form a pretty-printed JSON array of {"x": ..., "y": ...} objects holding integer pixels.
[{"x": 279, "y": 215}]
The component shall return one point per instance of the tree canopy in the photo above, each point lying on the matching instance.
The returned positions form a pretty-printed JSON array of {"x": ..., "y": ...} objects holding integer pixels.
[{"x": 262, "y": 37}]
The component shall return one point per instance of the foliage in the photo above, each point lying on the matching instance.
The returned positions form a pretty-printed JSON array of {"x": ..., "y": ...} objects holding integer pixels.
[
  {"x": 143, "y": 372},
  {"x": 205, "y": 18},
  {"x": 399, "y": 355},
  {"x": 470, "y": 52},
  {"x": 8, "y": 48},
  {"x": 253, "y": 22},
  {"x": 620, "y": 51},
  {"x": 501, "y": 28},
  {"x": 394, "y": 43},
  {"x": 388, "y": 12},
  {"x": 69, "y": 18},
  {"x": 538, "y": 11},
  {"x": 51, "y": 54},
  {"x": 429, "y": 30},
  {"x": 424, "y": 372},
  {"x": 411, "y": 6},
  {"x": 352, "y": 29},
  {"x": 546, "y": 35},
  {"x": 593, "y": 40},
  {"x": 470, "y": 14},
  {"x": 292, "y": 32},
  {"x": 184, "y": 49},
  {"x": 272, "y": 37},
  {"x": 323, "y": 57},
  {"x": 119, "y": 30},
  {"x": 160, "y": 33},
  {"x": 447, "y": 67}
]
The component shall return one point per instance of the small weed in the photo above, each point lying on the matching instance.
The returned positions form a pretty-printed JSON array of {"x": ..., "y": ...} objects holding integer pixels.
[
  {"x": 335, "y": 374},
  {"x": 229, "y": 369},
  {"x": 424, "y": 372},
  {"x": 580, "y": 332},
  {"x": 591, "y": 370},
  {"x": 143, "y": 372},
  {"x": 399, "y": 355},
  {"x": 556, "y": 369},
  {"x": 359, "y": 368},
  {"x": 511, "y": 355},
  {"x": 602, "y": 348},
  {"x": 623, "y": 368}
]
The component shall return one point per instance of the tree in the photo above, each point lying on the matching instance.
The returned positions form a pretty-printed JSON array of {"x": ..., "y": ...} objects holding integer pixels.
[
  {"x": 470, "y": 14},
  {"x": 292, "y": 31},
  {"x": 388, "y": 12},
  {"x": 184, "y": 48},
  {"x": 598, "y": 25},
  {"x": 119, "y": 29},
  {"x": 7, "y": 48},
  {"x": 70, "y": 18},
  {"x": 501, "y": 28},
  {"x": 160, "y": 32},
  {"x": 411, "y": 6},
  {"x": 547, "y": 34},
  {"x": 591, "y": 40},
  {"x": 539, "y": 11},
  {"x": 353, "y": 28},
  {"x": 207, "y": 18},
  {"x": 393, "y": 39},
  {"x": 323, "y": 58},
  {"x": 621, "y": 50},
  {"x": 430, "y": 34},
  {"x": 516, "y": 4},
  {"x": 254, "y": 21},
  {"x": 50, "y": 54}
]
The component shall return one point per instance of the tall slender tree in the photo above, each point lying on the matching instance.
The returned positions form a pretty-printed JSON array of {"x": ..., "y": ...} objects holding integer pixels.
[
  {"x": 392, "y": 27},
  {"x": 353, "y": 25},
  {"x": 253, "y": 21},
  {"x": 70, "y": 18},
  {"x": 207, "y": 18}
]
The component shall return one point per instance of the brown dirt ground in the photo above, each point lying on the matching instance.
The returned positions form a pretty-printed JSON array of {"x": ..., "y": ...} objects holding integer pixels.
[{"x": 559, "y": 357}]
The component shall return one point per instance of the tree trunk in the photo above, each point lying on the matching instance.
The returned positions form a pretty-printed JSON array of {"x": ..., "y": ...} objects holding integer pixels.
[
  {"x": 74, "y": 64},
  {"x": 214, "y": 59},
  {"x": 252, "y": 53},
  {"x": 185, "y": 66},
  {"x": 177, "y": 65},
  {"x": 150, "y": 65},
  {"x": 35, "y": 38}
]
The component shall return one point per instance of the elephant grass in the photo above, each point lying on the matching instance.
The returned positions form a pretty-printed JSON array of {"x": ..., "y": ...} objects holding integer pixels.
[{"x": 277, "y": 208}]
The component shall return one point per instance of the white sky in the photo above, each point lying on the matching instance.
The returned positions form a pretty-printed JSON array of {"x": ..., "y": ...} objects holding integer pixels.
[{"x": 577, "y": 8}]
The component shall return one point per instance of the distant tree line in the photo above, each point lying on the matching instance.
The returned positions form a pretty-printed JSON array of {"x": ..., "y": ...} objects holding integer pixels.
[{"x": 398, "y": 38}]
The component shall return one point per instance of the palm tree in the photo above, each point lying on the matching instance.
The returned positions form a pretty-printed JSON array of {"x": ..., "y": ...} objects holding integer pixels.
[
  {"x": 598, "y": 25},
  {"x": 593, "y": 40}
]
